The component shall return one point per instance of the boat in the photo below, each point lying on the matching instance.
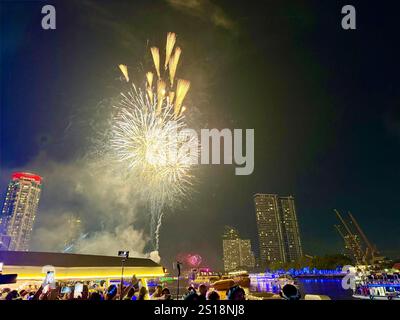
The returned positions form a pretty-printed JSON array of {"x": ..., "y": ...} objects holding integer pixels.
[
  {"x": 204, "y": 280},
  {"x": 200, "y": 276},
  {"x": 382, "y": 291},
  {"x": 240, "y": 278},
  {"x": 270, "y": 282},
  {"x": 209, "y": 278},
  {"x": 223, "y": 285},
  {"x": 285, "y": 279},
  {"x": 377, "y": 286}
]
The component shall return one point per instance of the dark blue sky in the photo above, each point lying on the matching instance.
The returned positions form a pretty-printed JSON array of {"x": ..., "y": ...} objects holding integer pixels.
[{"x": 324, "y": 104}]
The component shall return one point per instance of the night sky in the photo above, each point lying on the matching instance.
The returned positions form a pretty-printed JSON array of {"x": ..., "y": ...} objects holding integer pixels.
[{"x": 324, "y": 103}]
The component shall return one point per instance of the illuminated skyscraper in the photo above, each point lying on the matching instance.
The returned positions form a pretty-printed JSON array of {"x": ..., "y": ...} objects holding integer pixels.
[
  {"x": 19, "y": 210},
  {"x": 290, "y": 227},
  {"x": 247, "y": 259},
  {"x": 237, "y": 252},
  {"x": 269, "y": 227},
  {"x": 278, "y": 230}
]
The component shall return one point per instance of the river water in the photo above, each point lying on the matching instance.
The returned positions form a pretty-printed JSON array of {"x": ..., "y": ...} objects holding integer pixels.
[{"x": 331, "y": 287}]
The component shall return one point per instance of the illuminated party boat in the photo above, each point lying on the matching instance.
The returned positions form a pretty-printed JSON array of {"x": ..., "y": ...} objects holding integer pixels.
[{"x": 381, "y": 286}]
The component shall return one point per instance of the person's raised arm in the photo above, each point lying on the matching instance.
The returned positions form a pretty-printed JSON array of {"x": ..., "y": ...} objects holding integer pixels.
[
  {"x": 125, "y": 291},
  {"x": 37, "y": 293}
]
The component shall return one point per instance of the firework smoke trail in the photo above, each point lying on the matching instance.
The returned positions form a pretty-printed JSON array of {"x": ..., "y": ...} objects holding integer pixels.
[
  {"x": 148, "y": 137},
  {"x": 156, "y": 221}
]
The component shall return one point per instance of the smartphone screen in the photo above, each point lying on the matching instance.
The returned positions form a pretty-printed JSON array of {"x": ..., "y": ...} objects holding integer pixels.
[
  {"x": 66, "y": 290},
  {"x": 49, "y": 280},
  {"x": 78, "y": 290}
]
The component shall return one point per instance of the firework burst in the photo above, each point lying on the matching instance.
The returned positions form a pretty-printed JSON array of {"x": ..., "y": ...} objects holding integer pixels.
[
  {"x": 151, "y": 145},
  {"x": 148, "y": 136}
]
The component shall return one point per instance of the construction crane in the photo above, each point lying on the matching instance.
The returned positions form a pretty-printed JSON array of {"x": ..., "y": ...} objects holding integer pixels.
[
  {"x": 345, "y": 238},
  {"x": 363, "y": 252},
  {"x": 352, "y": 242},
  {"x": 372, "y": 249}
]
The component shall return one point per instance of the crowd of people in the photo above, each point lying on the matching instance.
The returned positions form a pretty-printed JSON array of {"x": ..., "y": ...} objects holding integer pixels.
[
  {"x": 204, "y": 293},
  {"x": 132, "y": 291}
]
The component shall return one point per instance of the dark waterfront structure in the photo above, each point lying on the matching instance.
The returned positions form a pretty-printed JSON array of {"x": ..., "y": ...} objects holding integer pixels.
[
  {"x": 29, "y": 266},
  {"x": 278, "y": 230}
]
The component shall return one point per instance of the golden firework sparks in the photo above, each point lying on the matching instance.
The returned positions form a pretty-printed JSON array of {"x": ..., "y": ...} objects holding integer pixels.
[
  {"x": 171, "y": 96},
  {"x": 124, "y": 70},
  {"x": 156, "y": 59},
  {"x": 141, "y": 140},
  {"x": 149, "y": 77},
  {"x": 183, "y": 109},
  {"x": 181, "y": 90},
  {"x": 142, "y": 128},
  {"x": 171, "y": 39},
  {"x": 173, "y": 64},
  {"x": 160, "y": 94},
  {"x": 150, "y": 94}
]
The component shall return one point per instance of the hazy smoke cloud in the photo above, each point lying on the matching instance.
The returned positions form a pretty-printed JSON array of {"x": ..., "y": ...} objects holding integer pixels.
[
  {"x": 106, "y": 242},
  {"x": 154, "y": 255},
  {"x": 107, "y": 205},
  {"x": 204, "y": 9}
]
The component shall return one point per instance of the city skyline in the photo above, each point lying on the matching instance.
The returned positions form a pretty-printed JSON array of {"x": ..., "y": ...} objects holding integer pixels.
[{"x": 288, "y": 250}]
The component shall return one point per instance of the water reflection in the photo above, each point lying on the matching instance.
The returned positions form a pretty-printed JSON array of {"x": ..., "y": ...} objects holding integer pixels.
[{"x": 331, "y": 287}]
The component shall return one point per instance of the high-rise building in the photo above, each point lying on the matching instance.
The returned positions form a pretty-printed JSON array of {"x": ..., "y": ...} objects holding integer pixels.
[
  {"x": 19, "y": 210},
  {"x": 237, "y": 252},
  {"x": 270, "y": 234},
  {"x": 247, "y": 259},
  {"x": 290, "y": 228},
  {"x": 278, "y": 230}
]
